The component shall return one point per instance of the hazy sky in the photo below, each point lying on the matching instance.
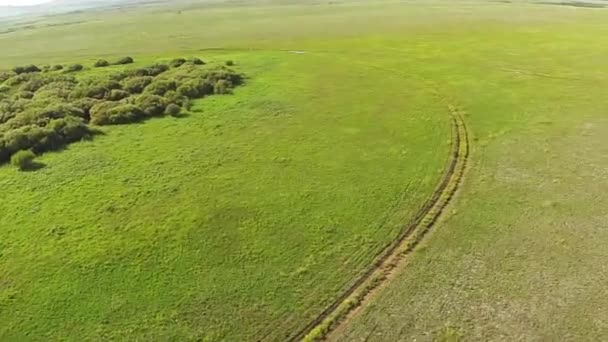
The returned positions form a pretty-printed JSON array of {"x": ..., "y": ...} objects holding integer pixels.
[{"x": 22, "y": 2}]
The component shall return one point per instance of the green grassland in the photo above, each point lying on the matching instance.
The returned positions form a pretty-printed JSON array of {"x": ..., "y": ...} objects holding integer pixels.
[{"x": 244, "y": 219}]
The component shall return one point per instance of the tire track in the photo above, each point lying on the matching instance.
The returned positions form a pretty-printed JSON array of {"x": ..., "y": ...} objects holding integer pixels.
[{"x": 371, "y": 280}]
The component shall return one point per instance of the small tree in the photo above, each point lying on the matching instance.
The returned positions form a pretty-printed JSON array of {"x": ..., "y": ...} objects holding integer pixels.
[
  {"x": 229, "y": 63},
  {"x": 23, "y": 159},
  {"x": 173, "y": 110}
]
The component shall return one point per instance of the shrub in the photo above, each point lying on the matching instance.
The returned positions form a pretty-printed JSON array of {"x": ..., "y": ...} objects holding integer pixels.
[
  {"x": 69, "y": 129},
  {"x": 195, "y": 88},
  {"x": 177, "y": 62},
  {"x": 41, "y": 116},
  {"x": 4, "y": 88},
  {"x": 173, "y": 97},
  {"x": 5, "y": 76},
  {"x": 100, "y": 112},
  {"x": 229, "y": 63},
  {"x": 151, "y": 70},
  {"x": 85, "y": 104},
  {"x": 32, "y": 85},
  {"x": 18, "y": 79},
  {"x": 122, "y": 114},
  {"x": 74, "y": 68},
  {"x": 24, "y": 95},
  {"x": 117, "y": 95},
  {"x": 136, "y": 85},
  {"x": 221, "y": 87},
  {"x": 173, "y": 110},
  {"x": 25, "y": 69},
  {"x": 196, "y": 61},
  {"x": 58, "y": 89},
  {"x": 101, "y": 63},
  {"x": 57, "y": 67},
  {"x": 93, "y": 91},
  {"x": 160, "y": 87},
  {"x": 124, "y": 60},
  {"x": 152, "y": 105},
  {"x": 23, "y": 159},
  {"x": 46, "y": 68}
]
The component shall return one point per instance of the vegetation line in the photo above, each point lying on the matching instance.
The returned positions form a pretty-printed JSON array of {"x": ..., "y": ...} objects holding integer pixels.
[{"x": 405, "y": 243}]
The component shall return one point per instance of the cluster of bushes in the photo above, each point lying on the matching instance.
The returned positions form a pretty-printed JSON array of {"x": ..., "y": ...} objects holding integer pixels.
[{"x": 42, "y": 111}]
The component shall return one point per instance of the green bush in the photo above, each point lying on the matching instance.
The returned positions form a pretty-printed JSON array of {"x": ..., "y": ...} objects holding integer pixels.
[
  {"x": 46, "y": 68},
  {"x": 85, "y": 104},
  {"x": 196, "y": 61},
  {"x": 160, "y": 87},
  {"x": 57, "y": 67},
  {"x": 221, "y": 87},
  {"x": 23, "y": 159},
  {"x": 32, "y": 85},
  {"x": 122, "y": 114},
  {"x": 4, "y": 88},
  {"x": 25, "y": 69},
  {"x": 151, "y": 70},
  {"x": 152, "y": 105},
  {"x": 177, "y": 62},
  {"x": 124, "y": 60},
  {"x": 74, "y": 68},
  {"x": 173, "y": 97},
  {"x": 229, "y": 63},
  {"x": 101, "y": 63},
  {"x": 136, "y": 85},
  {"x": 24, "y": 95},
  {"x": 100, "y": 112},
  {"x": 18, "y": 79},
  {"x": 173, "y": 110},
  {"x": 5, "y": 76},
  {"x": 117, "y": 95}
]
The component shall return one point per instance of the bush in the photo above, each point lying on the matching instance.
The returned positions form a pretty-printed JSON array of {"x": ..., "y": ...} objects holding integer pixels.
[
  {"x": 124, "y": 60},
  {"x": 160, "y": 87},
  {"x": 122, "y": 114},
  {"x": 177, "y": 62},
  {"x": 117, "y": 95},
  {"x": 57, "y": 67},
  {"x": 23, "y": 159},
  {"x": 4, "y": 88},
  {"x": 18, "y": 79},
  {"x": 173, "y": 97},
  {"x": 173, "y": 110},
  {"x": 151, "y": 70},
  {"x": 74, "y": 68},
  {"x": 195, "y": 89},
  {"x": 229, "y": 63},
  {"x": 100, "y": 112},
  {"x": 24, "y": 95},
  {"x": 5, "y": 76},
  {"x": 25, "y": 69},
  {"x": 32, "y": 85},
  {"x": 85, "y": 104},
  {"x": 196, "y": 61},
  {"x": 46, "y": 68},
  {"x": 136, "y": 85},
  {"x": 221, "y": 87},
  {"x": 152, "y": 105},
  {"x": 101, "y": 63}
]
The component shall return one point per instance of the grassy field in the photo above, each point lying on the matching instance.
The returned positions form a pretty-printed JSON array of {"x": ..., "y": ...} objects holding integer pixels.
[{"x": 243, "y": 220}]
